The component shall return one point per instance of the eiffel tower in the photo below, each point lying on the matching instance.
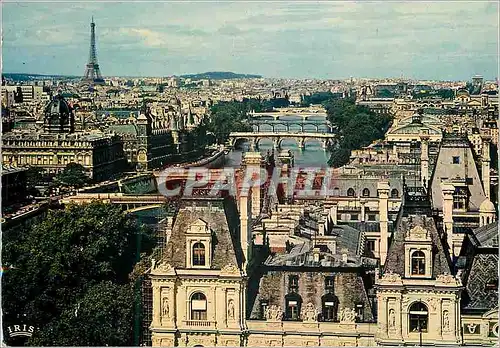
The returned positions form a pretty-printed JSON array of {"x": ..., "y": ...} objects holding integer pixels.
[{"x": 92, "y": 72}]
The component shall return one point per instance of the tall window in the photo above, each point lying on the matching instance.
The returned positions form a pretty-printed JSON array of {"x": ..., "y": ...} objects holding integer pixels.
[
  {"x": 330, "y": 305},
  {"x": 359, "y": 311},
  {"x": 418, "y": 263},
  {"x": 350, "y": 192},
  {"x": 198, "y": 306},
  {"x": 366, "y": 192},
  {"x": 293, "y": 284},
  {"x": 394, "y": 193},
  {"x": 293, "y": 304},
  {"x": 198, "y": 254},
  {"x": 418, "y": 317}
]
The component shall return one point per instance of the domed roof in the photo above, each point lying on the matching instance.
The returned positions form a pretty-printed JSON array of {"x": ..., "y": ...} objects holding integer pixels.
[
  {"x": 487, "y": 206},
  {"x": 58, "y": 105}
]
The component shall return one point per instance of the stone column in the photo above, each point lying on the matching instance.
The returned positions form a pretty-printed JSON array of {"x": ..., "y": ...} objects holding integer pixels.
[
  {"x": 156, "y": 305},
  {"x": 245, "y": 226},
  {"x": 447, "y": 191},
  {"x": 485, "y": 165},
  {"x": 362, "y": 211},
  {"x": 383, "y": 206}
]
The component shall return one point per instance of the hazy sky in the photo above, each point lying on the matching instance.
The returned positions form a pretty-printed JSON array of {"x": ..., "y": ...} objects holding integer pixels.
[{"x": 426, "y": 40}]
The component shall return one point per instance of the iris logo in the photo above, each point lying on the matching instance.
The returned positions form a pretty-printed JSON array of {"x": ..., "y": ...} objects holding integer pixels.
[{"x": 20, "y": 330}]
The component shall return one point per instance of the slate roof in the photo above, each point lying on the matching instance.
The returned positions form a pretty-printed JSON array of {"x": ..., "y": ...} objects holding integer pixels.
[
  {"x": 487, "y": 236},
  {"x": 219, "y": 215},
  {"x": 480, "y": 261},
  {"x": 395, "y": 258}
]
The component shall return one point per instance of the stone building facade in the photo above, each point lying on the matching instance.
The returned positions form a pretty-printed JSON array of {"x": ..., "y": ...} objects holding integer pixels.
[{"x": 58, "y": 145}]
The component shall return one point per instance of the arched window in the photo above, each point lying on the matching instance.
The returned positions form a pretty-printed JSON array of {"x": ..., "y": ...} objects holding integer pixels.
[
  {"x": 418, "y": 263},
  {"x": 394, "y": 193},
  {"x": 366, "y": 192},
  {"x": 198, "y": 306},
  {"x": 198, "y": 254},
  {"x": 293, "y": 305},
  {"x": 330, "y": 305},
  {"x": 418, "y": 317},
  {"x": 350, "y": 192}
]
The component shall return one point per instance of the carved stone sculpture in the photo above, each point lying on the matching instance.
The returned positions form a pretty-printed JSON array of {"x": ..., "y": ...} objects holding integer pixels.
[
  {"x": 347, "y": 315},
  {"x": 230, "y": 310},
  {"x": 446, "y": 321},
  {"x": 274, "y": 313},
  {"x": 309, "y": 313},
  {"x": 392, "y": 319},
  {"x": 165, "y": 308}
]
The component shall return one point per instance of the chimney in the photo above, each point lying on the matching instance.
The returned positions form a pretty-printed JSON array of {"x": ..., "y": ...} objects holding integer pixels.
[
  {"x": 333, "y": 213},
  {"x": 383, "y": 207},
  {"x": 316, "y": 255},
  {"x": 363, "y": 211},
  {"x": 424, "y": 159},
  {"x": 344, "y": 255},
  {"x": 447, "y": 191},
  {"x": 245, "y": 227},
  {"x": 253, "y": 162},
  {"x": 485, "y": 165},
  {"x": 321, "y": 228}
]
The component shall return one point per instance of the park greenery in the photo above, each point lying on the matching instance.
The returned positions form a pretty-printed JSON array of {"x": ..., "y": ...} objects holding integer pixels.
[
  {"x": 357, "y": 126},
  {"x": 69, "y": 275}
]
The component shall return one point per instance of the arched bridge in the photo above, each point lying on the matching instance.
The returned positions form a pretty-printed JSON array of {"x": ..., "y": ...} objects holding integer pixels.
[
  {"x": 278, "y": 137},
  {"x": 287, "y": 115},
  {"x": 292, "y": 126}
]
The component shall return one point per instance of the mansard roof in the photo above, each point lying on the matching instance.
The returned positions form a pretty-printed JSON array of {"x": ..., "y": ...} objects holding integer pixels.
[
  {"x": 457, "y": 145},
  {"x": 219, "y": 214}
]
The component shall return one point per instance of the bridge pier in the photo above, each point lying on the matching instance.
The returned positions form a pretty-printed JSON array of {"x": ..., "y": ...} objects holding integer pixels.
[
  {"x": 302, "y": 143},
  {"x": 253, "y": 145},
  {"x": 324, "y": 144},
  {"x": 276, "y": 143},
  {"x": 276, "y": 117}
]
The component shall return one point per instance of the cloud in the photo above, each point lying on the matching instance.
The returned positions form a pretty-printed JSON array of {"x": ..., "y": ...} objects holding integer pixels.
[{"x": 149, "y": 38}]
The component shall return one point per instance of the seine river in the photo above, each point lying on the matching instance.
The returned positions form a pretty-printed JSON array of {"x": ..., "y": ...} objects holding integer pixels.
[{"x": 312, "y": 156}]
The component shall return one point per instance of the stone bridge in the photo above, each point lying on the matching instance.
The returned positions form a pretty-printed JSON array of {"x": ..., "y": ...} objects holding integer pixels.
[
  {"x": 278, "y": 137},
  {"x": 287, "y": 115},
  {"x": 286, "y": 126}
]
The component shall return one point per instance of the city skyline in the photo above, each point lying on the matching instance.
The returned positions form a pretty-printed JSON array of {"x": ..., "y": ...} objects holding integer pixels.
[{"x": 303, "y": 40}]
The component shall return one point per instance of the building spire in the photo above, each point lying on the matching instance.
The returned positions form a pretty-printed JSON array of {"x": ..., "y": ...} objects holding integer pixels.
[{"x": 92, "y": 71}]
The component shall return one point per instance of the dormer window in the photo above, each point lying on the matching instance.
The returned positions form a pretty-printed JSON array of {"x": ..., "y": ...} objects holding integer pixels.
[
  {"x": 366, "y": 192},
  {"x": 350, "y": 192},
  {"x": 418, "y": 263},
  {"x": 198, "y": 254},
  {"x": 198, "y": 245}
]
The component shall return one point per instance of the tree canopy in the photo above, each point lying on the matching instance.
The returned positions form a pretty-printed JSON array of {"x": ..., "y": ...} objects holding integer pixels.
[
  {"x": 68, "y": 275},
  {"x": 72, "y": 175},
  {"x": 357, "y": 126}
]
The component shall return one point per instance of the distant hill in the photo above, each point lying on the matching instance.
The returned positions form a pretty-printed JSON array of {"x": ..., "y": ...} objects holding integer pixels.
[
  {"x": 220, "y": 75},
  {"x": 30, "y": 77}
]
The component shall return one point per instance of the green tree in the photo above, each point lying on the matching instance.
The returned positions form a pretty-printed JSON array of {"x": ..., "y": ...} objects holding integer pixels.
[
  {"x": 72, "y": 175},
  {"x": 63, "y": 262},
  {"x": 357, "y": 126}
]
